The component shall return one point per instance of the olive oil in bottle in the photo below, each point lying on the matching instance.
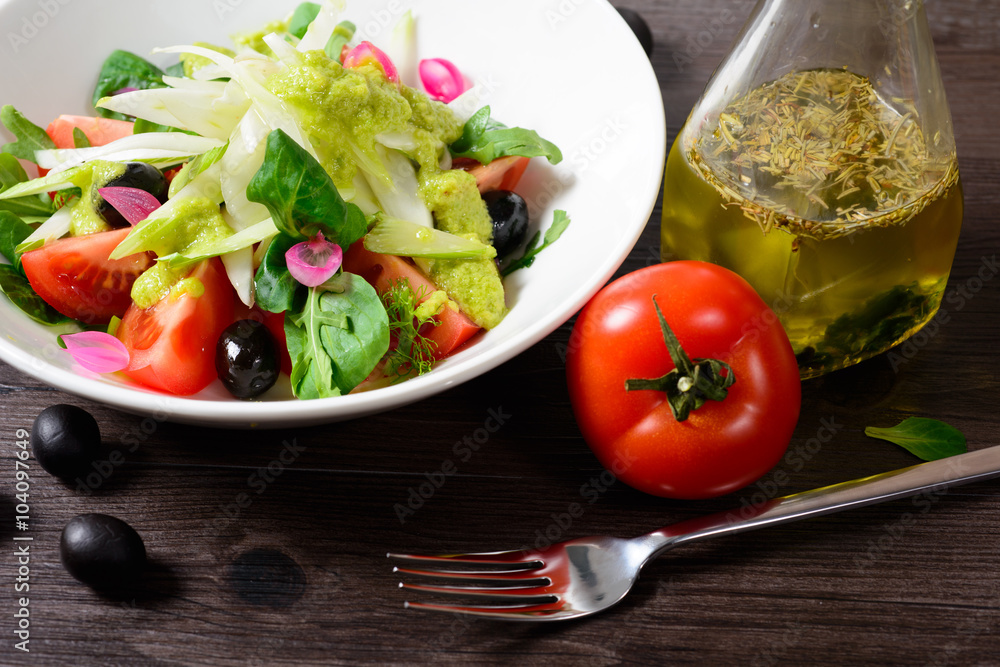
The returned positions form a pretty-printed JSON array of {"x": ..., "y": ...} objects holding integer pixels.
[{"x": 830, "y": 201}]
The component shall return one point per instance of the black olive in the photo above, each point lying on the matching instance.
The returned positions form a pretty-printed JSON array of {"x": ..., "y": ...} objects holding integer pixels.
[
  {"x": 102, "y": 551},
  {"x": 65, "y": 440},
  {"x": 509, "y": 213},
  {"x": 139, "y": 175},
  {"x": 246, "y": 359},
  {"x": 639, "y": 27}
]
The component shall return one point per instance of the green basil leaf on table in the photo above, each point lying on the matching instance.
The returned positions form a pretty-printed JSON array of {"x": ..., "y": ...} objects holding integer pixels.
[{"x": 928, "y": 439}]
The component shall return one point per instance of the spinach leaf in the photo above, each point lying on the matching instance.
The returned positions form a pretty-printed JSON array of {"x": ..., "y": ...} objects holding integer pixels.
[
  {"x": 303, "y": 15},
  {"x": 277, "y": 290},
  {"x": 11, "y": 174},
  {"x": 18, "y": 290},
  {"x": 300, "y": 195},
  {"x": 12, "y": 231},
  {"x": 560, "y": 221},
  {"x": 929, "y": 439},
  {"x": 338, "y": 337},
  {"x": 485, "y": 140},
  {"x": 29, "y": 137},
  {"x": 120, "y": 70}
]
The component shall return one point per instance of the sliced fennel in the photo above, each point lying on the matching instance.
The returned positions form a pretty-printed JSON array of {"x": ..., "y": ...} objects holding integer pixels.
[
  {"x": 392, "y": 236},
  {"x": 240, "y": 240},
  {"x": 159, "y": 148},
  {"x": 402, "y": 199},
  {"x": 48, "y": 183},
  {"x": 55, "y": 227}
]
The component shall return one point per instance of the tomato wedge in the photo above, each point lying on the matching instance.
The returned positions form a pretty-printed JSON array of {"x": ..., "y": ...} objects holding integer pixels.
[
  {"x": 381, "y": 271},
  {"x": 75, "y": 276},
  {"x": 172, "y": 343},
  {"x": 502, "y": 174},
  {"x": 99, "y": 131}
]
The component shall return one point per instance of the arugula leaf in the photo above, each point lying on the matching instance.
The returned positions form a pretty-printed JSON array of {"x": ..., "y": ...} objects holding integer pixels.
[
  {"x": 485, "y": 140},
  {"x": 338, "y": 337},
  {"x": 29, "y": 137},
  {"x": 12, "y": 232},
  {"x": 560, "y": 221},
  {"x": 303, "y": 15},
  {"x": 929, "y": 439},
  {"x": 11, "y": 174},
  {"x": 120, "y": 70},
  {"x": 277, "y": 290},
  {"x": 301, "y": 196},
  {"x": 18, "y": 290}
]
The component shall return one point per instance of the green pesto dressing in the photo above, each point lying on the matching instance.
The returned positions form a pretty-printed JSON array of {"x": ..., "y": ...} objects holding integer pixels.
[
  {"x": 195, "y": 224},
  {"x": 255, "y": 39},
  {"x": 343, "y": 110},
  {"x": 84, "y": 218},
  {"x": 192, "y": 63}
]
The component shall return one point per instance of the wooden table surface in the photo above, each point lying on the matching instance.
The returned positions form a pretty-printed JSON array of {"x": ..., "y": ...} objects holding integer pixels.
[{"x": 268, "y": 547}]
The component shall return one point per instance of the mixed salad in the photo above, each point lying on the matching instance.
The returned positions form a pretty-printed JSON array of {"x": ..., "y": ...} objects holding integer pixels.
[{"x": 303, "y": 201}]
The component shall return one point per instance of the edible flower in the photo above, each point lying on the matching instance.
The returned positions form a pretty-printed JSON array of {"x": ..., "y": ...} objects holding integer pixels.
[
  {"x": 134, "y": 204},
  {"x": 97, "y": 351},
  {"x": 366, "y": 52},
  {"x": 441, "y": 79},
  {"x": 313, "y": 262}
]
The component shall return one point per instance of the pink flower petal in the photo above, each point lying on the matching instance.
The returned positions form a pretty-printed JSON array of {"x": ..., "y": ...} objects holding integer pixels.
[
  {"x": 368, "y": 52},
  {"x": 441, "y": 79},
  {"x": 314, "y": 262},
  {"x": 134, "y": 204},
  {"x": 97, "y": 351}
]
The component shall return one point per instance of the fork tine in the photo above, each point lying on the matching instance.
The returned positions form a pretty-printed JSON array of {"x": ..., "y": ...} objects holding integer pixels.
[
  {"x": 503, "y": 575},
  {"x": 514, "y": 612},
  {"x": 512, "y": 559},
  {"x": 494, "y": 592}
]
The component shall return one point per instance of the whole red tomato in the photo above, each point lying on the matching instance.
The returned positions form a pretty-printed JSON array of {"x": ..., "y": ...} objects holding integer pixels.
[{"x": 722, "y": 445}]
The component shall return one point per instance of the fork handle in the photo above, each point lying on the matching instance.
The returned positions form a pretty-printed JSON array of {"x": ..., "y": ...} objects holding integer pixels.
[{"x": 933, "y": 477}]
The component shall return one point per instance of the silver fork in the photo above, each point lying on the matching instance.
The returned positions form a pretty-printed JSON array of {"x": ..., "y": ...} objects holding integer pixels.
[{"x": 590, "y": 574}]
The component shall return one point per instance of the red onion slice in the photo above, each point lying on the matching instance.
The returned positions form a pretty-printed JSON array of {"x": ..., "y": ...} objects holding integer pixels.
[
  {"x": 134, "y": 204},
  {"x": 97, "y": 351},
  {"x": 441, "y": 79},
  {"x": 368, "y": 52},
  {"x": 314, "y": 262}
]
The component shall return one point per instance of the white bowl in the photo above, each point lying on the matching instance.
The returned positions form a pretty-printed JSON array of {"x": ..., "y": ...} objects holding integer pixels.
[{"x": 571, "y": 71}]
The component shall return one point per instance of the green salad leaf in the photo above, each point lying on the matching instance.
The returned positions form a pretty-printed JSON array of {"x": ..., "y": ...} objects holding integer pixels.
[
  {"x": 18, "y": 290},
  {"x": 12, "y": 174},
  {"x": 485, "y": 140},
  {"x": 277, "y": 290},
  {"x": 303, "y": 15},
  {"x": 301, "y": 196},
  {"x": 929, "y": 439},
  {"x": 12, "y": 232},
  {"x": 29, "y": 137},
  {"x": 121, "y": 70},
  {"x": 80, "y": 139},
  {"x": 338, "y": 337},
  {"x": 560, "y": 221}
]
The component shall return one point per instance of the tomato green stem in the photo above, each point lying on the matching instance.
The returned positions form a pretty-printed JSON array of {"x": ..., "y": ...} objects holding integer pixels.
[{"x": 691, "y": 383}]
